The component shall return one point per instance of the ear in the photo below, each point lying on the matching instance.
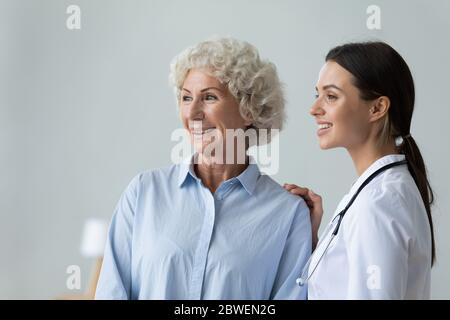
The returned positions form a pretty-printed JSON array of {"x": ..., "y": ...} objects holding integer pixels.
[{"x": 379, "y": 108}]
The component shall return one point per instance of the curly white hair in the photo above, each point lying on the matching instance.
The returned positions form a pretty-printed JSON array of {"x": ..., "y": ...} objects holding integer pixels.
[{"x": 252, "y": 81}]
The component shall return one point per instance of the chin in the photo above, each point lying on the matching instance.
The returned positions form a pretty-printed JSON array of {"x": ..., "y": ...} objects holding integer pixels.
[
  {"x": 205, "y": 149},
  {"x": 325, "y": 145}
]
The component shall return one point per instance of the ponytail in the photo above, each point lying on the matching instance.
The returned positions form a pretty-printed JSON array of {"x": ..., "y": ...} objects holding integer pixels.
[{"x": 417, "y": 168}]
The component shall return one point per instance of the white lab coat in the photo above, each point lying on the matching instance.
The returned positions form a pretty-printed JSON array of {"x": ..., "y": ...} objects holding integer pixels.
[{"x": 383, "y": 247}]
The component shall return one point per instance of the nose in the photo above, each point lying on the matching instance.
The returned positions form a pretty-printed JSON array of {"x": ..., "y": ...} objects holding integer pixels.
[
  {"x": 316, "y": 109},
  {"x": 196, "y": 111}
]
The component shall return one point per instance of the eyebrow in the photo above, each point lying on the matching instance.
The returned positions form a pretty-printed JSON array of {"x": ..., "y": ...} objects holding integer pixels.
[
  {"x": 329, "y": 86},
  {"x": 203, "y": 90}
]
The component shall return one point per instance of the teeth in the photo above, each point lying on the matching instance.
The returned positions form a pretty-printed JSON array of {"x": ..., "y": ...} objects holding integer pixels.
[
  {"x": 324, "y": 126},
  {"x": 204, "y": 131}
]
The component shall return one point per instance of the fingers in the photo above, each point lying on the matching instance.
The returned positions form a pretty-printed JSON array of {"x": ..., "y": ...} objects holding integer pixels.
[
  {"x": 302, "y": 192},
  {"x": 296, "y": 189},
  {"x": 289, "y": 186},
  {"x": 314, "y": 197},
  {"x": 316, "y": 200},
  {"x": 313, "y": 200}
]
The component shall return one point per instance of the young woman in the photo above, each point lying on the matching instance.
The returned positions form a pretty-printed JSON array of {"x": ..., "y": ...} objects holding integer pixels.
[{"x": 380, "y": 243}]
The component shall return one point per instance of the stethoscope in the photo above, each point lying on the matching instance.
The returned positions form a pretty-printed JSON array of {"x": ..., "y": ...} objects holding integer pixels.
[{"x": 304, "y": 277}]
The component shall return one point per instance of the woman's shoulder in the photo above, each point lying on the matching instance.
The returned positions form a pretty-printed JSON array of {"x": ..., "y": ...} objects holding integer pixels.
[
  {"x": 161, "y": 175},
  {"x": 270, "y": 189},
  {"x": 393, "y": 200},
  {"x": 397, "y": 187}
]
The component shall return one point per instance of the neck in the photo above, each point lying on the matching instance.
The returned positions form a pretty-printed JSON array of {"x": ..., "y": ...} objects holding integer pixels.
[
  {"x": 213, "y": 174},
  {"x": 365, "y": 155}
]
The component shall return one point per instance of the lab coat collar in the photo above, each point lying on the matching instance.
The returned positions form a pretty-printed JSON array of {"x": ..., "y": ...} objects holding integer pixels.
[{"x": 374, "y": 167}]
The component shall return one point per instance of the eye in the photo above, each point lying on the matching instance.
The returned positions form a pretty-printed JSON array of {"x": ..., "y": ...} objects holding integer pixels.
[
  {"x": 331, "y": 98},
  {"x": 186, "y": 98},
  {"x": 316, "y": 96},
  {"x": 210, "y": 97}
]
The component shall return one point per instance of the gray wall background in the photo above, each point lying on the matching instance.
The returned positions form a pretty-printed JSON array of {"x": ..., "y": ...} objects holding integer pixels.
[{"x": 82, "y": 111}]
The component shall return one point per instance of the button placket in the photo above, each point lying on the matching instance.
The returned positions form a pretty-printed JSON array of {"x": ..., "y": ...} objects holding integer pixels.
[{"x": 201, "y": 252}]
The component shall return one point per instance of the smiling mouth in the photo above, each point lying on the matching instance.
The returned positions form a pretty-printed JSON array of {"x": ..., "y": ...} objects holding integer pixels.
[
  {"x": 323, "y": 128},
  {"x": 197, "y": 132}
]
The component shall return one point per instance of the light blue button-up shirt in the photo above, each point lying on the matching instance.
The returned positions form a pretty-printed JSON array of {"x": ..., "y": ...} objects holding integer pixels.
[{"x": 171, "y": 238}]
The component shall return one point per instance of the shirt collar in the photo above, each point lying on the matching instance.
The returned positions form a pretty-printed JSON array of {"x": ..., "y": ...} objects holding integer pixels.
[
  {"x": 186, "y": 170},
  {"x": 247, "y": 178},
  {"x": 374, "y": 167}
]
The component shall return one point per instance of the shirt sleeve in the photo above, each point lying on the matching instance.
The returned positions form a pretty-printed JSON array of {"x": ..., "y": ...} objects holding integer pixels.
[
  {"x": 377, "y": 247},
  {"x": 296, "y": 253},
  {"x": 115, "y": 276}
]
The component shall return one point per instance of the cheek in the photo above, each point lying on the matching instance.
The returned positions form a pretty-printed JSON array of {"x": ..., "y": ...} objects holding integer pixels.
[
  {"x": 184, "y": 115},
  {"x": 344, "y": 120},
  {"x": 352, "y": 126},
  {"x": 227, "y": 117}
]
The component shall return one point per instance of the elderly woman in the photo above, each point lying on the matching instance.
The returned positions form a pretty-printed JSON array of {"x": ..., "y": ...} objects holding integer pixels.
[{"x": 211, "y": 229}]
